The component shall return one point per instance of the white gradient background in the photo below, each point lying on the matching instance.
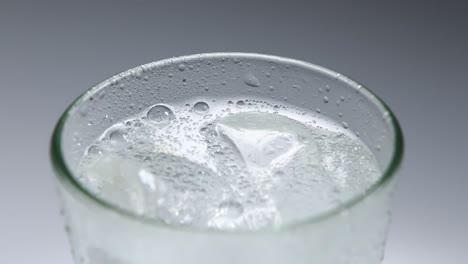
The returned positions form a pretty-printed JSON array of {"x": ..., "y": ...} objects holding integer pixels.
[{"x": 412, "y": 54}]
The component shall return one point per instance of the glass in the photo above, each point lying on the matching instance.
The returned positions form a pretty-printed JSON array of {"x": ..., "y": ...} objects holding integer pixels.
[{"x": 100, "y": 233}]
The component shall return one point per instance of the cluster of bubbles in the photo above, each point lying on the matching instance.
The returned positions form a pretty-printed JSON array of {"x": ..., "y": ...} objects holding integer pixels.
[{"x": 227, "y": 164}]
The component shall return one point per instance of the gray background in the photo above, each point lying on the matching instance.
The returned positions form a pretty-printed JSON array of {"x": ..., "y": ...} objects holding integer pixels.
[{"x": 414, "y": 55}]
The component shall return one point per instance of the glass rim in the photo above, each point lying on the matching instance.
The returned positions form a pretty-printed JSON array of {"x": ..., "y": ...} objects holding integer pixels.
[{"x": 65, "y": 175}]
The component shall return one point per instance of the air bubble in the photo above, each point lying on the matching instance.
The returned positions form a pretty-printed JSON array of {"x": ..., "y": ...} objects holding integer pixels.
[
  {"x": 160, "y": 114},
  {"x": 201, "y": 107},
  {"x": 240, "y": 103},
  {"x": 94, "y": 150},
  {"x": 117, "y": 137}
]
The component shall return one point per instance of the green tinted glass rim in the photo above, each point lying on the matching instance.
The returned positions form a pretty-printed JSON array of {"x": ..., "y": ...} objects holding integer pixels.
[{"x": 65, "y": 175}]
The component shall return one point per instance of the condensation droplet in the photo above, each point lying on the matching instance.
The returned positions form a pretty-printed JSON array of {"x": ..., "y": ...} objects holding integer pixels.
[
  {"x": 378, "y": 147},
  {"x": 160, "y": 114},
  {"x": 182, "y": 67},
  {"x": 325, "y": 99},
  {"x": 345, "y": 125},
  {"x": 240, "y": 103},
  {"x": 251, "y": 80}
]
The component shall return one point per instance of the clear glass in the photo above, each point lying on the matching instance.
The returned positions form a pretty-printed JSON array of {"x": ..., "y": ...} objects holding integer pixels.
[{"x": 100, "y": 233}]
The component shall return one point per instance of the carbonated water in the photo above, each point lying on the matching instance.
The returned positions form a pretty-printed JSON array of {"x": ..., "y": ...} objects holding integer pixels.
[{"x": 227, "y": 164}]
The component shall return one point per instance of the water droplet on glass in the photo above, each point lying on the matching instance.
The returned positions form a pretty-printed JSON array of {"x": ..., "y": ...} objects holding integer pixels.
[
  {"x": 240, "y": 103},
  {"x": 342, "y": 98},
  {"x": 378, "y": 147},
  {"x": 182, "y": 67},
  {"x": 345, "y": 125},
  {"x": 160, "y": 114},
  {"x": 230, "y": 209},
  {"x": 325, "y": 99},
  {"x": 230, "y": 102},
  {"x": 318, "y": 110},
  {"x": 251, "y": 80},
  {"x": 201, "y": 108}
]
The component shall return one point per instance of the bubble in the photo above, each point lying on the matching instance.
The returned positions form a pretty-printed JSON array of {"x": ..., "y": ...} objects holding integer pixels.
[
  {"x": 240, "y": 103},
  {"x": 160, "y": 114},
  {"x": 230, "y": 102},
  {"x": 325, "y": 99},
  {"x": 94, "y": 150},
  {"x": 345, "y": 125},
  {"x": 251, "y": 80},
  {"x": 117, "y": 137},
  {"x": 182, "y": 67},
  {"x": 201, "y": 107},
  {"x": 230, "y": 209}
]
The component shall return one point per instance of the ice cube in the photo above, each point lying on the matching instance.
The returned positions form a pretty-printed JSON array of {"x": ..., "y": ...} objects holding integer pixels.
[
  {"x": 262, "y": 141},
  {"x": 261, "y": 148}
]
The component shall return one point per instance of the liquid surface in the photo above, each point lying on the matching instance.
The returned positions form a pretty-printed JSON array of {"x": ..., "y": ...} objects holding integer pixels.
[{"x": 228, "y": 165}]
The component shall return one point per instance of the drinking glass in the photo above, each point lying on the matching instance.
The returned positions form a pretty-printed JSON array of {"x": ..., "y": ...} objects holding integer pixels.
[{"x": 101, "y": 232}]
